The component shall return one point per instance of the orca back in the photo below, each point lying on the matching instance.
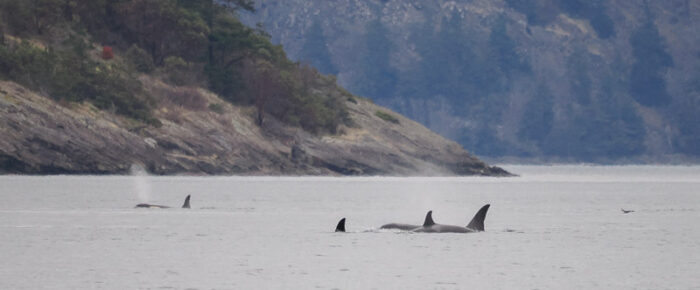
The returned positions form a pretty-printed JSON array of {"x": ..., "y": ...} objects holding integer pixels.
[
  {"x": 146, "y": 205},
  {"x": 341, "y": 226},
  {"x": 403, "y": 227},
  {"x": 187, "y": 202},
  {"x": 477, "y": 222}
]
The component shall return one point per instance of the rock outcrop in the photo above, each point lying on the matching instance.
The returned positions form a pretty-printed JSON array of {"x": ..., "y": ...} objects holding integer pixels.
[{"x": 41, "y": 136}]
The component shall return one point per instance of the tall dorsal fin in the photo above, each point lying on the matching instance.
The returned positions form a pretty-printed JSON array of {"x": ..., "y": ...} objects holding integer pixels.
[
  {"x": 428, "y": 219},
  {"x": 187, "y": 202},
  {"x": 477, "y": 222},
  {"x": 341, "y": 226}
]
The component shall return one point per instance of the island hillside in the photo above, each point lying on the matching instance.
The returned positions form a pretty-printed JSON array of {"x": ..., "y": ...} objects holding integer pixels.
[{"x": 182, "y": 87}]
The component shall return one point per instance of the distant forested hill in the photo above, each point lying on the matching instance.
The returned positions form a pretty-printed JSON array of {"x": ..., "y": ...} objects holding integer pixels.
[
  {"x": 182, "y": 86},
  {"x": 556, "y": 80}
]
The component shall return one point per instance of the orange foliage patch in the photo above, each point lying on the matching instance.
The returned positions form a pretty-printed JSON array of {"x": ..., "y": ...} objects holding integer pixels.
[{"x": 107, "y": 52}]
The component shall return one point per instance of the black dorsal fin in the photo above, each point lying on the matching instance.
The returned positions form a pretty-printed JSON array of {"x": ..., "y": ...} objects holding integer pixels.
[
  {"x": 428, "y": 219},
  {"x": 341, "y": 226},
  {"x": 477, "y": 222},
  {"x": 187, "y": 202}
]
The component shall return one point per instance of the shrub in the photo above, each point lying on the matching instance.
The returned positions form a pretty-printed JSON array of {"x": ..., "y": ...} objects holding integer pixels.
[
  {"x": 140, "y": 59},
  {"x": 216, "y": 108},
  {"x": 177, "y": 71},
  {"x": 174, "y": 115},
  {"x": 68, "y": 76},
  {"x": 26, "y": 64},
  {"x": 154, "y": 122},
  {"x": 386, "y": 117},
  {"x": 187, "y": 97}
]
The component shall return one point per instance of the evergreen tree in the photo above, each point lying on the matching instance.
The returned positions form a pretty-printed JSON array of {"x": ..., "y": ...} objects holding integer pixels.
[
  {"x": 378, "y": 77},
  {"x": 609, "y": 127},
  {"x": 538, "y": 117},
  {"x": 502, "y": 50},
  {"x": 647, "y": 84},
  {"x": 593, "y": 11},
  {"x": 603, "y": 25},
  {"x": 688, "y": 121},
  {"x": 537, "y": 12},
  {"x": 315, "y": 50},
  {"x": 579, "y": 78},
  {"x": 450, "y": 66},
  {"x": 230, "y": 42},
  {"x": 35, "y": 16},
  {"x": 163, "y": 28}
]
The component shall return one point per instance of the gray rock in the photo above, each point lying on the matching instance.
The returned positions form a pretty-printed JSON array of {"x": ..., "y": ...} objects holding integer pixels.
[{"x": 39, "y": 136}]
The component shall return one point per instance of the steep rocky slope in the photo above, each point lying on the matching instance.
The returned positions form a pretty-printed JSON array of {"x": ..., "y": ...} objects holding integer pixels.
[
  {"x": 41, "y": 136},
  {"x": 563, "y": 80}
]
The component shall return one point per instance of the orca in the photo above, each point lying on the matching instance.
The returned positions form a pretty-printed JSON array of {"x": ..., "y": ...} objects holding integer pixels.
[
  {"x": 475, "y": 225},
  {"x": 146, "y": 205},
  {"x": 341, "y": 226},
  {"x": 187, "y": 202},
  {"x": 429, "y": 226}
]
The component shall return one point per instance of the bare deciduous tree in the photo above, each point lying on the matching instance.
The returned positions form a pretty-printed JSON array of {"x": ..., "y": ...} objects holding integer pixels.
[{"x": 264, "y": 83}]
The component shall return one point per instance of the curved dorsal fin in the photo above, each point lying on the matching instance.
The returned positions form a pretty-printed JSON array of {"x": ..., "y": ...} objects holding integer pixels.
[
  {"x": 187, "y": 202},
  {"x": 341, "y": 226},
  {"x": 477, "y": 222},
  {"x": 428, "y": 219}
]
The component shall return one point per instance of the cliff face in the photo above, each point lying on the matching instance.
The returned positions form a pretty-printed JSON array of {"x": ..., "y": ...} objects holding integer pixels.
[
  {"x": 566, "y": 80},
  {"x": 40, "y": 136}
]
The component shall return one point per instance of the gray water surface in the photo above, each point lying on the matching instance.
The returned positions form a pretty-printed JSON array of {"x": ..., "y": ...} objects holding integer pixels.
[{"x": 552, "y": 228}]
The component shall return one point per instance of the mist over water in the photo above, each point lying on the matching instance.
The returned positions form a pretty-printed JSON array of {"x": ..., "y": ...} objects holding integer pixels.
[{"x": 555, "y": 227}]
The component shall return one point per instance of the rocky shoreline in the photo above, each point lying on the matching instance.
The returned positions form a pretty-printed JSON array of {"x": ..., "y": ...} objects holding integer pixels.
[{"x": 41, "y": 136}]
